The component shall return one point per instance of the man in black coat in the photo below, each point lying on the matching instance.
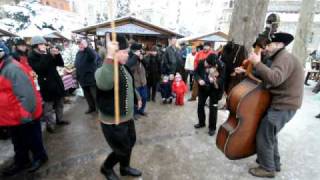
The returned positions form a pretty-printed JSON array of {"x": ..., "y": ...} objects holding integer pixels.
[
  {"x": 86, "y": 66},
  {"x": 44, "y": 64},
  {"x": 153, "y": 68},
  {"x": 210, "y": 76}
]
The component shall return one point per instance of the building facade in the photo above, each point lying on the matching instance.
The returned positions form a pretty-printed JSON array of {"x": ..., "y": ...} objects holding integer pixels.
[{"x": 59, "y": 4}]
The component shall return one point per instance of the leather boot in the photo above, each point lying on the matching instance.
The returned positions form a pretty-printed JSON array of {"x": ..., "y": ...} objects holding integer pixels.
[
  {"x": 129, "y": 171},
  {"x": 109, "y": 174}
]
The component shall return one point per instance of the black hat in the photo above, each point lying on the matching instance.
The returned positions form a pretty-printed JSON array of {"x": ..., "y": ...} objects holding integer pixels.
[
  {"x": 136, "y": 47},
  {"x": 122, "y": 41},
  {"x": 20, "y": 41},
  {"x": 199, "y": 48},
  {"x": 212, "y": 59},
  {"x": 207, "y": 44},
  {"x": 283, "y": 37}
]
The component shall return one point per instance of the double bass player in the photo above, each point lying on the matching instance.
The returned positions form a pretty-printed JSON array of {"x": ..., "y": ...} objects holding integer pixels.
[{"x": 283, "y": 76}]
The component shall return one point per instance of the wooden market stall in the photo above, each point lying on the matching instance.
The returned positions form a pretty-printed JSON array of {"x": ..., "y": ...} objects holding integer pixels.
[
  {"x": 141, "y": 31},
  {"x": 213, "y": 37}
]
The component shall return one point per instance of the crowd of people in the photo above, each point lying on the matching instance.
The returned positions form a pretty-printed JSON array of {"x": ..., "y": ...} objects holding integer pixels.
[
  {"x": 43, "y": 66},
  {"x": 34, "y": 90}
]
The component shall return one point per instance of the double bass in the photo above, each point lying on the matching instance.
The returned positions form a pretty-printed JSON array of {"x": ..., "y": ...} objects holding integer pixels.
[{"x": 247, "y": 103}]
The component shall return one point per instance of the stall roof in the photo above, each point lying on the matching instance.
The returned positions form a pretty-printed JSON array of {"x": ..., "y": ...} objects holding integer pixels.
[
  {"x": 6, "y": 33},
  {"x": 217, "y": 36},
  {"x": 128, "y": 25},
  {"x": 45, "y": 32}
]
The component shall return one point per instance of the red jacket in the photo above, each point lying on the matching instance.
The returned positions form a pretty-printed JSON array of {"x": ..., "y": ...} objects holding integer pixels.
[
  {"x": 201, "y": 55},
  {"x": 20, "y": 102},
  {"x": 179, "y": 87}
]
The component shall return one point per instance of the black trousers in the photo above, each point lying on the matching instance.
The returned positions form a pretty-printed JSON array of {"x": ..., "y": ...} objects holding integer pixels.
[
  {"x": 190, "y": 74},
  {"x": 90, "y": 93},
  {"x": 121, "y": 138},
  {"x": 152, "y": 91},
  {"x": 26, "y": 138},
  {"x": 213, "y": 108}
]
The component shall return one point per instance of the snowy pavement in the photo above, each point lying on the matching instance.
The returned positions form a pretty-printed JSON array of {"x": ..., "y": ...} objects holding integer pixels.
[{"x": 169, "y": 148}]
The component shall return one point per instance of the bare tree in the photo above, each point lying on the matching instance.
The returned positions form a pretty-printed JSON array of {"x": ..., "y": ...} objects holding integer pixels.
[
  {"x": 303, "y": 31},
  {"x": 123, "y": 8},
  {"x": 247, "y": 21}
]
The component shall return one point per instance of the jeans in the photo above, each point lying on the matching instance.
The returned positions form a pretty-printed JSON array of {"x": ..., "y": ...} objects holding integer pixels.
[
  {"x": 267, "y": 140},
  {"x": 143, "y": 91}
]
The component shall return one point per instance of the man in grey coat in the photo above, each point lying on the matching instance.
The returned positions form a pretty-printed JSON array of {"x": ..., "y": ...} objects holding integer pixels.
[
  {"x": 171, "y": 59},
  {"x": 284, "y": 79}
]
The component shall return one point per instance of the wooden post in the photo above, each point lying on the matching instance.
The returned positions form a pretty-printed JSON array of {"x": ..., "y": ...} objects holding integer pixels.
[{"x": 116, "y": 67}]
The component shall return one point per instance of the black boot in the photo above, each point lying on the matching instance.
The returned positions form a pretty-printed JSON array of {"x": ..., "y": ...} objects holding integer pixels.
[
  {"x": 129, "y": 171},
  {"x": 15, "y": 169},
  {"x": 213, "y": 119},
  {"x": 197, "y": 126},
  {"x": 109, "y": 174},
  {"x": 62, "y": 123},
  {"x": 211, "y": 132},
  {"x": 38, "y": 164},
  {"x": 318, "y": 116}
]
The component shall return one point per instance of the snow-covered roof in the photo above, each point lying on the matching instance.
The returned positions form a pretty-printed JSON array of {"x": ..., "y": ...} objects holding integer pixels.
[
  {"x": 127, "y": 29},
  {"x": 217, "y": 36},
  {"x": 45, "y": 32},
  {"x": 135, "y": 25},
  {"x": 6, "y": 33}
]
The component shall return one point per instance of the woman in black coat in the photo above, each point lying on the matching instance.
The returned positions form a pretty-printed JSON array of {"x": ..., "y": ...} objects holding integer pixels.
[{"x": 44, "y": 63}]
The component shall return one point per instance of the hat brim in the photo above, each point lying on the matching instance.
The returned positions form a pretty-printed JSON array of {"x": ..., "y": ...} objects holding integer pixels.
[{"x": 285, "y": 38}]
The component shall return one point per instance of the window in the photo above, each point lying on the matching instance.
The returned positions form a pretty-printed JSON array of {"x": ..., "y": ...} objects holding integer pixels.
[{"x": 231, "y": 4}]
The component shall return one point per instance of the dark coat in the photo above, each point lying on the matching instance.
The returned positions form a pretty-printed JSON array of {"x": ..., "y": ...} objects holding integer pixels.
[
  {"x": 201, "y": 74},
  {"x": 86, "y": 66},
  {"x": 153, "y": 69},
  {"x": 50, "y": 82},
  {"x": 171, "y": 61}
]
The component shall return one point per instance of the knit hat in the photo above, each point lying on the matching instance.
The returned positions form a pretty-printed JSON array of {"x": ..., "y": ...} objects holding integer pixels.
[
  {"x": 20, "y": 41},
  {"x": 35, "y": 40},
  {"x": 165, "y": 78},
  {"x": 122, "y": 41},
  {"x": 136, "y": 47}
]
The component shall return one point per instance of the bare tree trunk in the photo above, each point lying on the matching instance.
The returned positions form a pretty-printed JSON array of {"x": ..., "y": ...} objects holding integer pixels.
[
  {"x": 247, "y": 21},
  {"x": 303, "y": 29}
]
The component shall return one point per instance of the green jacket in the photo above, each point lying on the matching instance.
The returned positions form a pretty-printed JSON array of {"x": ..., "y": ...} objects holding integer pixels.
[{"x": 105, "y": 93}]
